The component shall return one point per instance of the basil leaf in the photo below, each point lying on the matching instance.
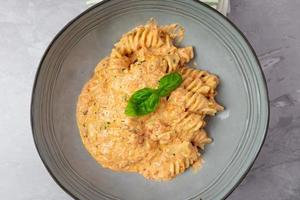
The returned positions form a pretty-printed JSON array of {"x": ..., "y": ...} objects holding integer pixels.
[
  {"x": 146, "y": 100},
  {"x": 131, "y": 109},
  {"x": 141, "y": 95},
  {"x": 152, "y": 102},
  {"x": 142, "y": 102},
  {"x": 169, "y": 83},
  {"x": 148, "y": 105}
]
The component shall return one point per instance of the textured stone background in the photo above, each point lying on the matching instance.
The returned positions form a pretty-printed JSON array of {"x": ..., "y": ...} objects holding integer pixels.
[{"x": 27, "y": 27}]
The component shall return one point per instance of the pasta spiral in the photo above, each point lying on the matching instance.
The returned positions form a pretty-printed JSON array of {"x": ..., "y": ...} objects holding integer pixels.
[
  {"x": 186, "y": 155},
  {"x": 198, "y": 80},
  {"x": 200, "y": 86},
  {"x": 187, "y": 124},
  {"x": 141, "y": 37},
  {"x": 171, "y": 63},
  {"x": 185, "y": 54},
  {"x": 201, "y": 138}
]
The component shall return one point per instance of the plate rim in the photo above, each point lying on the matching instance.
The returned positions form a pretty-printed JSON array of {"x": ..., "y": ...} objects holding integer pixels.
[{"x": 62, "y": 30}]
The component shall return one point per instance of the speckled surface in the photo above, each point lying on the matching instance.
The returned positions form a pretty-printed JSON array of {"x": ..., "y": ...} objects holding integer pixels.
[{"x": 27, "y": 27}]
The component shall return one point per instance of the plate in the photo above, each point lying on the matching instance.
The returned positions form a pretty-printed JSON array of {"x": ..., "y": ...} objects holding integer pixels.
[{"x": 238, "y": 132}]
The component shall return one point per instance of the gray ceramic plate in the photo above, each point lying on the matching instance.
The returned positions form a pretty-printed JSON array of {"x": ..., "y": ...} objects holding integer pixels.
[{"x": 68, "y": 63}]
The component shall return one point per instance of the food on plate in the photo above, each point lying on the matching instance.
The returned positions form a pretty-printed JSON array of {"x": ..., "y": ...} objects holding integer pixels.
[{"x": 144, "y": 109}]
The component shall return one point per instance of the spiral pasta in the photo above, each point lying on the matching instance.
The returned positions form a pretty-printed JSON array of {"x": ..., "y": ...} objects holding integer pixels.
[
  {"x": 148, "y": 36},
  {"x": 201, "y": 139},
  {"x": 160, "y": 145},
  {"x": 185, "y": 54},
  {"x": 172, "y": 62}
]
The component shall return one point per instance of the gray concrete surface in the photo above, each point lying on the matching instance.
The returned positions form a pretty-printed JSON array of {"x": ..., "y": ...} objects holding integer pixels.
[{"x": 27, "y": 27}]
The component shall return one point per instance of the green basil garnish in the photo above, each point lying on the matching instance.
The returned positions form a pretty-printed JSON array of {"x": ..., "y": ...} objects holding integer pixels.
[
  {"x": 146, "y": 100},
  {"x": 169, "y": 83},
  {"x": 141, "y": 95}
]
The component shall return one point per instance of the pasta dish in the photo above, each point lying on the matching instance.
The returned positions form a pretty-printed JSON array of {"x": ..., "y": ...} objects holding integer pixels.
[{"x": 160, "y": 134}]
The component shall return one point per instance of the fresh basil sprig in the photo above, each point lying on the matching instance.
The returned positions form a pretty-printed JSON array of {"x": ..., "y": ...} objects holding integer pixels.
[
  {"x": 169, "y": 83},
  {"x": 146, "y": 100}
]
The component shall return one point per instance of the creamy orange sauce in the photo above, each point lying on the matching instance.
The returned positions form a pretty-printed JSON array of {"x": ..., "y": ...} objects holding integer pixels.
[{"x": 166, "y": 142}]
